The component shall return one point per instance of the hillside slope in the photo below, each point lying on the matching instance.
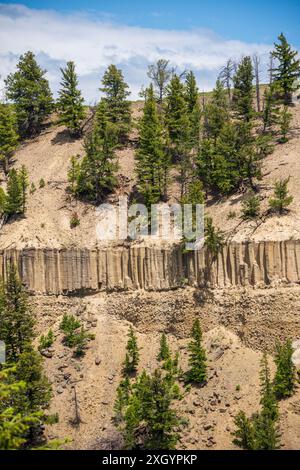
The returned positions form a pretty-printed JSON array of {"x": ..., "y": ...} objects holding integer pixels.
[{"x": 47, "y": 220}]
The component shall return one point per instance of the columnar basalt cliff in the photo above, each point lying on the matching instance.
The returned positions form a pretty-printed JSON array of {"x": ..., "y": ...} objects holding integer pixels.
[{"x": 58, "y": 271}]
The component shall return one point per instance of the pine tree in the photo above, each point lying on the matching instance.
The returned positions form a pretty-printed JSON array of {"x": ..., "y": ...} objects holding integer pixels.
[
  {"x": 2, "y": 202},
  {"x": 29, "y": 90},
  {"x": 244, "y": 433},
  {"x": 115, "y": 91},
  {"x": 24, "y": 183},
  {"x": 29, "y": 369},
  {"x": 268, "y": 399},
  {"x": 270, "y": 110},
  {"x": 97, "y": 173},
  {"x": 8, "y": 135},
  {"x": 285, "y": 377},
  {"x": 103, "y": 128},
  {"x": 260, "y": 432},
  {"x": 70, "y": 101},
  {"x": 179, "y": 131},
  {"x": 14, "y": 424},
  {"x": 176, "y": 113},
  {"x": 281, "y": 199},
  {"x": 214, "y": 238},
  {"x": 164, "y": 351},
  {"x": 193, "y": 108},
  {"x": 132, "y": 355},
  {"x": 288, "y": 69},
  {"x": 14, "y": 199},
  {"x": 74, "y": 174},
  {"x": 123, "y": 394},
  {"x": 216, "y": 112},
  {"x": 265, "y": 423},
  {"x": 243, "y": 90},
  {"x": 197, "y": 357},
  {"x": 151, "y": 159},
  {"x": 191, "y": 91},
  {"x": 285, "y": 119},
  {"x": 16, "y": 320},
  {"x": 150, "y": 421},
  {"x": 251, "y": 207}
]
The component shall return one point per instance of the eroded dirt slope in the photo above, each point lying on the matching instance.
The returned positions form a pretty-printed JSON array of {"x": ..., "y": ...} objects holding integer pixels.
[
  {"x": 233, "y": 366},
  {"x": 47, "y": 220}
]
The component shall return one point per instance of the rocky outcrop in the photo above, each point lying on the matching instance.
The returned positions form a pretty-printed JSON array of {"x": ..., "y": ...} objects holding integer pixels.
[{"x": 57, "y": 271}]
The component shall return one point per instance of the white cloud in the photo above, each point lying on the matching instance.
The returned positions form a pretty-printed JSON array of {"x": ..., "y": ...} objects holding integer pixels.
[{"x": 93, "y": 43}]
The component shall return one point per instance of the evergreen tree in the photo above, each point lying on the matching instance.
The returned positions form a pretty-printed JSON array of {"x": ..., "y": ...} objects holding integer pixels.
[
  {"x": 285, "y": 377},
  {"x": 270, "y": 110},
  {"x": 197, "y": 357},
  {"x": 70, "y": 101},
  {"x": 281, "y": 199},
  {"x": 151, "y": 159},
  {"x": 176, "y": 113},
  {"x": 103, "y": 127},
  {"x": 244, "y": 432},
  {"x": 14, "y": 424},
  {"x": 179, "y": 131},
  {"x": 214, "y": 238},
  {"x": 115, "y": 91},
  {"x": 193, "y": 108},
  {"x": 24, "y": 183},
  {"x": 265, "y": 423},
  {"x": 14, "y": 199},
  {"x": 16, "y": 320},
  {"x": 243, "y": 89},
  {"x": 123, "y": 394},
  {"x": 288, "y": 69},
  {"x": 74, "y": 174},
  {"x": 251, "y": 207},
  {"x": 268, "y": 399},
  {"x": 285, "y": 119},
  {"x": 150, "y": 422},
  {"x": 216, "y": 112},
  {"x": 2, "y": 202},
  {"x": 37, "y": 394},
  {"x": 96, "y": 176},
  {"x": 29, "y": 90},
  {"x": 132, "y": 355},
  {"x": 164, "y": 351},
  {"x": 191, "y": 91},
  {"x": 260, "y": 432},
  {"x": 8, "y": 135}
]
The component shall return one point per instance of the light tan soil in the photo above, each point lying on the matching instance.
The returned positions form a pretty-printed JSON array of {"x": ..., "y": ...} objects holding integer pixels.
[
  {"x": 233, "y": 367},
  {"x": 47, "y": 219}
]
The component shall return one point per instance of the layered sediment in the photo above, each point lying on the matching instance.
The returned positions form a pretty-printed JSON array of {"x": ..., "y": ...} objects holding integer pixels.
[{"x": 71, "y": 270}]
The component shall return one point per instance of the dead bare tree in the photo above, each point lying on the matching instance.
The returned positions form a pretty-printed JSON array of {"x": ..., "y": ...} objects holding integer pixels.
[
  {"x": 256, "y": 64},
  {"x": 160, "y": 73},
  {"x": 77, "y": 419},
  {"x": 226, "y": 76}
]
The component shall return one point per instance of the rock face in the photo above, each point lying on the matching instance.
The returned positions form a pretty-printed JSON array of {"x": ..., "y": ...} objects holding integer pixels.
[{"x": 58, "y": 271}]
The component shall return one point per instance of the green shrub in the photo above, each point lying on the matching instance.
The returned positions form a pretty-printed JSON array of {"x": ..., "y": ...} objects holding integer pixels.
[
  {"x": 42, "y": 183},
  {"x": 74, "y": 222},
  {"x": 46, "y": 341},
  {"x": 251, "y": 207},
  {"x": 75, "y": 335}
]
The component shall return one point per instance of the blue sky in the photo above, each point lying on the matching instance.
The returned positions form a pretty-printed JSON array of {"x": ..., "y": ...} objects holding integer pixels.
[
  {"x": 193, "y": 34},
  {"x": 255, "y": 20}
]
